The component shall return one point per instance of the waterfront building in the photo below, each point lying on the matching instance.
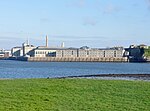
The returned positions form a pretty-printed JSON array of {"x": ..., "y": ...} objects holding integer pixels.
[
  {"x": 76, "y": 52},
  {"x": 67, "y": 52},
  {"x": 43, "y": 52},
  {"x": 22, "y": 50},
  {"x": 2, "y": 54},
  {"x": 27, "y": 48},
  {"x": 17, "y": 51},
  {"x": 5, "y": 53}
]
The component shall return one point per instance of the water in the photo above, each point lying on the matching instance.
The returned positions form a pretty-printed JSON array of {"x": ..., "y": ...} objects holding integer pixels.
[{"x": 19, "y": 69}]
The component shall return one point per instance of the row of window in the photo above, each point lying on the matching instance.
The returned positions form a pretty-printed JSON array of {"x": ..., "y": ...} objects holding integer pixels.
[
  {"x": 81, "y": 54},
  {"x": 84, "y": 55},
  {"x": 42, "y": 52}
]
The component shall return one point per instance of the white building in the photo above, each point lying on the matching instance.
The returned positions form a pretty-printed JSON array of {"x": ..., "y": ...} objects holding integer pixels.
[
  {"x": 43, "y": 52},
  {"x": 17, "y": 51},
  {"x": 22, "y": 51},
  {"x": 5, "y": 53},
  {"x": 27, "y": 48},
  {"x": 2, "y": 54}
]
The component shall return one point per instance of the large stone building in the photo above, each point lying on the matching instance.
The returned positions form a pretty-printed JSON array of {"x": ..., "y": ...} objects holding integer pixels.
[
  {"x": 28, "y": 50},
  {"x": 67, "y": 52},
  {"x": 76, "y": 52}
]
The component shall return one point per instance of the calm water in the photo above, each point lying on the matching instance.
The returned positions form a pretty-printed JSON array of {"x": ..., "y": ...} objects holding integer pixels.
[{"x": 18, "y": 69}]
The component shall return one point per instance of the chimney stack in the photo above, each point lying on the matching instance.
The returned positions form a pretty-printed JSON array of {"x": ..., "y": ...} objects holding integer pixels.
[
  {"x": 46, "y": 41},
  {"x": 27, "y": 41},
  {"x": 62, "y": 45}
]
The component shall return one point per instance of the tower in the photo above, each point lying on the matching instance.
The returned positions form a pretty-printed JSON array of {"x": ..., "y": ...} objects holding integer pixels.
[
  {"x": 27, "y": 41},
  {"x": 46, "y": 41},
  {"x": 62, "y": 45}
]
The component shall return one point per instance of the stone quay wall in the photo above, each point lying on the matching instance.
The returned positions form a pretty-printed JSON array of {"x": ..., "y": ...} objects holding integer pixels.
[{"x": 56, "y": 59}]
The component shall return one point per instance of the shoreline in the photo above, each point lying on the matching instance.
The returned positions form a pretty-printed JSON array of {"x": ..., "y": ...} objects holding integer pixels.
[
  {"x": 109, "y": 75},
  {"x": 145, "y": 77}
]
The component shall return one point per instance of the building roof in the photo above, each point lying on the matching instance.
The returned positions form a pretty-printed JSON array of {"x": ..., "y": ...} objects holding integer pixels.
[
  {"x": 17, "y": 47},
  {"x": 47, "y": 48}
]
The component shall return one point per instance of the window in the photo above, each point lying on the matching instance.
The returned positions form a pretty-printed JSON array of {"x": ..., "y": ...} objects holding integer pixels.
[
  {"x": 104, "y": 54},
  {"x": 115, "y": 54},
  {"x": 87, "y": 52}
]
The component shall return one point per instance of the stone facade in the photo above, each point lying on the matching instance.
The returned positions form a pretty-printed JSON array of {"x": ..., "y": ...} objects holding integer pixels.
[
  {"x": 100, "y": 53},
  {"x": 76, "y": 52}
]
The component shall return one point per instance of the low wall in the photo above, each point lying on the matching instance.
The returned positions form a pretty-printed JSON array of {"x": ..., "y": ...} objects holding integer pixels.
[
  {"x": 18, "y": 58},
  {"x": 55, "y": 59},
  {"x": 3, "y": 58}
]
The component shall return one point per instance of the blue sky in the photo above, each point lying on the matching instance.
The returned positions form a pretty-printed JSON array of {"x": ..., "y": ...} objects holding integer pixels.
[{"x": 95, "y": 23}]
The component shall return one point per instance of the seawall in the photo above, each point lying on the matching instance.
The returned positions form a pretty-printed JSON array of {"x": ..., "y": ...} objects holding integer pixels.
[
  {"x": 4, "y": 58},
  {"x": 55, "y": 59}
]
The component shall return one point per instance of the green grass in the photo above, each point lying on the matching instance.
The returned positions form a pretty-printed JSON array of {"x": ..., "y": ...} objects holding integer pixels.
[{"x": 74, "y": 95}]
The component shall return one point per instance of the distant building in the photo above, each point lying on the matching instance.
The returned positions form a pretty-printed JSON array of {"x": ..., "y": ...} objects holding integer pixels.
[
  {"x": 22, "y": 50},
  {"x": 143, "y": 46},
  {"x": 66, "y": 52},
  {"x": 2, "y": 54},
  {"x": 17, "y": 51},
  {"x": 43, "y": 52},
  {"x": 76, "y": 52},
  {"x": 62, "y": 45},
  {"x": 5, "y": 53},
  {"x": 139, "y": 46},
  {"x": 135, "y": 53},
  {"x": 27, "y": 48}
]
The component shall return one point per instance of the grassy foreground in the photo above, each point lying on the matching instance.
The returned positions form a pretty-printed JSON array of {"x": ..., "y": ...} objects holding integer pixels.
[{"x": 74, "y": 95}]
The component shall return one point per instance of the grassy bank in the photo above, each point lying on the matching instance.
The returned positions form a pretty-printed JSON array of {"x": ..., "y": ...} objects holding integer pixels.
[{"x": 74, "y": 95}]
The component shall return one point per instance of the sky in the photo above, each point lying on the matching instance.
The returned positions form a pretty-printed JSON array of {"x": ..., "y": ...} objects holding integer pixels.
[{"x": 93, "y": 23}]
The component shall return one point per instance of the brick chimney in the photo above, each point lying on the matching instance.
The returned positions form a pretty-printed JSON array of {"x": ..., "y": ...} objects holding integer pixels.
[{"x": 46, "y": 41}]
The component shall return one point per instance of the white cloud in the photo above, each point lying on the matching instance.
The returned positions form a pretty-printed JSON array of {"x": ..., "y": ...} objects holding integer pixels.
[
  {"x": 78, "y": 3},
  {"x": 110, "y": 8},
  {"x": 81, "y": 3},
  {"x": 90, "y": 21},
  {"x": 44, "y": 20},
  {"x": 148, "y": 3}
]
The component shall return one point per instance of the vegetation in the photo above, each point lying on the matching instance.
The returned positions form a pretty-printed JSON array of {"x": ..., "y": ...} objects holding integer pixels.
[
  {"x": 147, "y": 52},
  {"x": 74, "y": 95}
]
